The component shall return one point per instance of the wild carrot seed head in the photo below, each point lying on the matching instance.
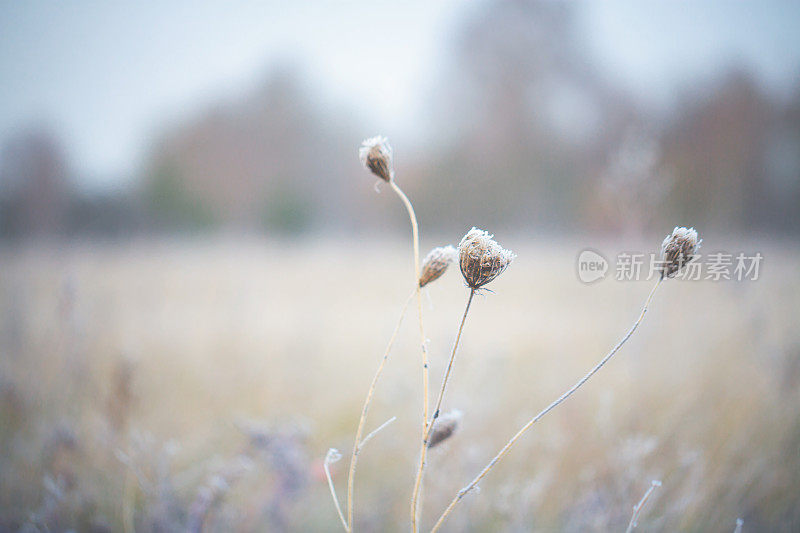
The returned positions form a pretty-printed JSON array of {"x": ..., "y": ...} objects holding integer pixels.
[
  {"x": 445, "y": 427},
  {"x": 481, "y": 259},
  {"x": 376, "y": 156},
  {"x": 435, "y": 263},
  {"x": 677, "y": 250}
]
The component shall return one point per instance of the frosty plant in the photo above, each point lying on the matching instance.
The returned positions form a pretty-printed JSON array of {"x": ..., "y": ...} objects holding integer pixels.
[
  {"x": 678, "y": 249},
  {"x": 433, "y": 267},
  {"x": 637, "y": 509},
  {"x": 446, "y": 426},
  {"x": 376, "y": 156},
  {"x": 481, "y": 260}
]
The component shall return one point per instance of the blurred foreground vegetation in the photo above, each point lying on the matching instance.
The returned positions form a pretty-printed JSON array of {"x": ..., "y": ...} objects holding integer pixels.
[{"x": 165, "y": 387}]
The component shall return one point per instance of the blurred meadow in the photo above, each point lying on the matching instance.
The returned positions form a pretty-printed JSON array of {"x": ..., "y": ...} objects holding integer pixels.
[
  {"x": 187, "y": 359},
  {"x": 198, "y": 279}
]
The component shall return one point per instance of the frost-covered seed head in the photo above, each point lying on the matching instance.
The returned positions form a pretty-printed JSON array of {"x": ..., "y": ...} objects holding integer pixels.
[
  {"x": 446, "y": 425},
  {"x": 435, "y": 263},
  {"x": 481, "y": 259},
  {"x": 376, "y": 156},
  {"x": 677, "y": 250},
  {"x": 332, "y": 456}
]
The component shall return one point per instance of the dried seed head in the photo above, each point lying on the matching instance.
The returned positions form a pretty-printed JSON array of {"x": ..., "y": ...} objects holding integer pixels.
[
  {"x": 435, "y": 263},
  {"x": 481, "y": 259},
  {"x": 677, "y": 250},
  {"x": 376, "y": 156},
  {"x": 333, "y": 456},
  {"x": 446, "y": 425}
]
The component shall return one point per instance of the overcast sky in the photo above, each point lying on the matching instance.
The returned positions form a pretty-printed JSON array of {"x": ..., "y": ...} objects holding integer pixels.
[{"x": 106, "y": 75}]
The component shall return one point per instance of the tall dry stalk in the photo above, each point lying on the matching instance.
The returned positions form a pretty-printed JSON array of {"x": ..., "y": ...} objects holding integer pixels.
[
  {"x": 677, "y": 250},
  {"x": 422, "y": 339},
  {"x": 358, "y": 443},
  {"x": 449, "y": 366},
  {"x": 415, "y": 497},
  {"x": 481, "y": 260},
  {"x": 376, "y": 155},
  {"x": 461, "y": 493}
]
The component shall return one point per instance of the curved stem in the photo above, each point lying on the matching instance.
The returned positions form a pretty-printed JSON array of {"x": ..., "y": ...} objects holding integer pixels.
[
  {"x": 638, "y": 507},
  {"x": 421, "y": 469},
  {"x": 546, "y": 410},
  {"x": 326, "y": 466},
  {"x": 415, "y": 237},
  {"x": 357, "y": 444}
]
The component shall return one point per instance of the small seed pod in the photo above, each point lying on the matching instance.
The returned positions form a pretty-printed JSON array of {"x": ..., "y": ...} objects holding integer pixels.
[
  {"x": 446, "y": 425},
  {"x": 677, "y": 250},
  {"x": 435, "y": 263},
  {"x": 481, "y": 259},
  {"x": 376, "y": 156}
]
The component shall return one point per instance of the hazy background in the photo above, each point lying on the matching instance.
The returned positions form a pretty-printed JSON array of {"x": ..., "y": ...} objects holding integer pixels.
[
  {"x": 198, "y": 279},
  {"x": 118, "y": 119}
]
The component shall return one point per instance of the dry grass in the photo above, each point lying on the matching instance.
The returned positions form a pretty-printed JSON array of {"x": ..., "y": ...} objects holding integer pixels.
[{"x": 146, "y": 385}]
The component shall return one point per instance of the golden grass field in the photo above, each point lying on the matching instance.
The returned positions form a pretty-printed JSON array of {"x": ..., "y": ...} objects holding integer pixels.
[{"x": 198, "y": 385}]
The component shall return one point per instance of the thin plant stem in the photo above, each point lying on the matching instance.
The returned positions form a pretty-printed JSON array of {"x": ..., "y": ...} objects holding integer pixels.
[
  {"x": 415, "y": 237},
  {"x": 421, "y": 469},
  {"x": 532, "y": 421},
  {"x": 638, "y": 507},
  {"x": 376, "y": 431},
  {"x": 450, "y": 363},
  {"x": 327, "y": 467},
  {"x": 358, "y": 443}
]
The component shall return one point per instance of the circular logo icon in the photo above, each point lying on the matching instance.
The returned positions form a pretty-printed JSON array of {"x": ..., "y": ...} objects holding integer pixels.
[{"x": 591, "y": 266}]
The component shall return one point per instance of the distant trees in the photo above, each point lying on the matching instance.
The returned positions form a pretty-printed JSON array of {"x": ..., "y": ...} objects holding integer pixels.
[
  {"x": 273, "y": 160},
  {"x": 734, "y": 153},
  {"x": 39, "y": 197},
  {"x": 526, "y": 132},
  {"x": 528, "y": 116},
  {"x": 34, "y": 188},
  {"x": 536, "y": 133}
]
